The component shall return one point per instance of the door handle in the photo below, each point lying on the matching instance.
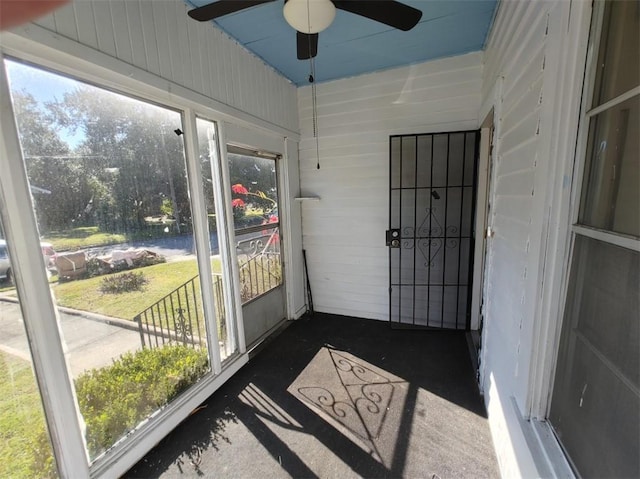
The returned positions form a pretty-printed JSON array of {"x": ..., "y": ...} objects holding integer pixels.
[{"x": 393, "y": 238}]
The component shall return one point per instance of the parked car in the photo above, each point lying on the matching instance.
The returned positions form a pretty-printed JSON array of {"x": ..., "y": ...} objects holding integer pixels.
[
  {"x": 5, "y": 264},
  {"x": 48, "y": 255}
]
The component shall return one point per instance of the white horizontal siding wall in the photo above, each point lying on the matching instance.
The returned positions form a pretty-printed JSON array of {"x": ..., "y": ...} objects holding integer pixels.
[
  {"x": 344, "y": 232},
  {"x": 158, "y": 37},
  {"x": 515, "y": 59},
  {"x": 517, "y": 53},
  {"x": 527, "y": 82}
]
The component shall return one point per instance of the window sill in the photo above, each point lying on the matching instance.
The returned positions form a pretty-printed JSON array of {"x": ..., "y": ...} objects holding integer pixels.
[{"x": 551, "y": 456}]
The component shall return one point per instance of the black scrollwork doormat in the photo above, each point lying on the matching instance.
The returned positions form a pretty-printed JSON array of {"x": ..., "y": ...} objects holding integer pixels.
[{"x": 338, "y": 397}]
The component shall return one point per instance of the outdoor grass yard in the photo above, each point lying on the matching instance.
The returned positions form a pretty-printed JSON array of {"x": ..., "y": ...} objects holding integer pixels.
[
  {"x": 158, "y": 374},
  {"x": 6, "y": 286},
  {"x": 21, "y": 419},
  {"x": 162, "y": 278},
  {"x": 83, "y": 237},
  {"x": 91, "y": 236}
]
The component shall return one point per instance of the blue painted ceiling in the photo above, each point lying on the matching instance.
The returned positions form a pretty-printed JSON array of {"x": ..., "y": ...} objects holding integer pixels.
[{"x": 353, "y": 45}]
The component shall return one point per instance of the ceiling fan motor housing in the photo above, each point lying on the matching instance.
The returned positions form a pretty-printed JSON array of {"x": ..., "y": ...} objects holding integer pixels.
[{"x": 309, "y": 16}]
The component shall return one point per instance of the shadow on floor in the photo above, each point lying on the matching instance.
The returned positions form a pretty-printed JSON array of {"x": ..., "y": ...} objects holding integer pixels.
[{"x": 334, "y": 396}]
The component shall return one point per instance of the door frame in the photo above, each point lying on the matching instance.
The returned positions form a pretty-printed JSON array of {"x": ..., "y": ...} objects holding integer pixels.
[
  {"x": 483, "y": 187},
  {"x": 481, "y": 236}
]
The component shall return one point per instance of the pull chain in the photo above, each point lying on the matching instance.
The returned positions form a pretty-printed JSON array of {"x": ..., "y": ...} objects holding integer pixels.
[
  {"x": 314, "y": 104},
  {"x": 312, "y": 80}
]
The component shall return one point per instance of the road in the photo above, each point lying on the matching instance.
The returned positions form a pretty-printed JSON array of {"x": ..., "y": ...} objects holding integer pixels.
[
  {"x": 172, "y": 247},
  {"x": 90, "y": 344}
]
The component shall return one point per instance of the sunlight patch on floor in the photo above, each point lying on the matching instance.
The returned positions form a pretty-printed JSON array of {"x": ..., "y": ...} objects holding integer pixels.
[{"x": 363, "y": 402}]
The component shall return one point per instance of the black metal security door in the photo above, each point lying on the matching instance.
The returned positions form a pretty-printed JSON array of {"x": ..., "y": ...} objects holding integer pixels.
[{"x": 430, "y": 237}]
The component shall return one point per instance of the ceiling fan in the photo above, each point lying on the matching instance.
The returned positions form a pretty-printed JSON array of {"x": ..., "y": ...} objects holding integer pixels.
[{"x": 309, "y": 17}]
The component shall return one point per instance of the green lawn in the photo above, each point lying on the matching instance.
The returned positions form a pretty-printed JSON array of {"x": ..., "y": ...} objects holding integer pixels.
[
  {"x": 22, "y": 454},
  {"x": 162, "y": 278},
  {"x": 90, "y": 236},
  {"x": 82, "y": 238},
  {"x": 113, "y": 400}
]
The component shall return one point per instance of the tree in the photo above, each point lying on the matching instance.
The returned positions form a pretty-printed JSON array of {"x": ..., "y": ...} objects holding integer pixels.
[
  {"x": 135, "y": 159},
  {"x": 256, "y": 175},
  {"x": 59, "y": 188}
]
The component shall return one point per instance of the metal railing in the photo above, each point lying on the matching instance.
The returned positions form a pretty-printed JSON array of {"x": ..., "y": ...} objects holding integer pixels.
[
  {"x": 259, "y": 275},
  {"x": 178, "y": 317}
]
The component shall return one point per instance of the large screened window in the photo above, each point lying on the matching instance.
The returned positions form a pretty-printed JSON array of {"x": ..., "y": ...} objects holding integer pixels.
[
  {"x": 142, "y": 304},
  {"x": 595, "y": 408}
]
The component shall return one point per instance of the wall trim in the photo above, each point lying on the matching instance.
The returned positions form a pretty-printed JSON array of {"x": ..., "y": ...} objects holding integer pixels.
[{"x": 572, "y": 26}]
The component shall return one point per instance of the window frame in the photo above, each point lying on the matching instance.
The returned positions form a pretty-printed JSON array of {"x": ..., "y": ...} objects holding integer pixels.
[
  {"x": 546, "y": 442},
  {"x": 56, "y": 389},
  {"x": 587, "y": 113},
  {"x": 570, "y": 30},
  {"x": 36, "y": 302}
]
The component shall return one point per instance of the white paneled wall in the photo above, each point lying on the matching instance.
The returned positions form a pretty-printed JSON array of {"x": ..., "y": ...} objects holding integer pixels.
[
  {"x": 535, "y": 91},
  {"x": 515, "y": 60},
  {"x": 157, "y": 36},
  {"x": 517, "y": 55},
  {"x": 344, "y": 232}
]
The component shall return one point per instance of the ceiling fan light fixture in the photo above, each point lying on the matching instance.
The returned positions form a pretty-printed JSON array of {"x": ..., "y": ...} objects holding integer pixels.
[{"x": 309, "y": 16}]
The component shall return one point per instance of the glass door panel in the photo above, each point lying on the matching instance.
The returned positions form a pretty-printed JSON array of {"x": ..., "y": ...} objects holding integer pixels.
[
  {"x": 254, "y": 191},
  {"x": 108, "y": 178}
]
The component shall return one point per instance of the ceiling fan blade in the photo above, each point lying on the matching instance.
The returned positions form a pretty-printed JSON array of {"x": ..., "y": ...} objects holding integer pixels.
[
  {"x": 392, "y": 13},
  {"x": 221, "y": 8},
  {"x": 307, "y": 45}
]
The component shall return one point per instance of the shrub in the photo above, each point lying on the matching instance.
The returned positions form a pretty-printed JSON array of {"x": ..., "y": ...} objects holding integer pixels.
[
  {"x": 114, "y": 399},
  {"x": 123, "y": 283},
  {"x": 96, "y": 267}
]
